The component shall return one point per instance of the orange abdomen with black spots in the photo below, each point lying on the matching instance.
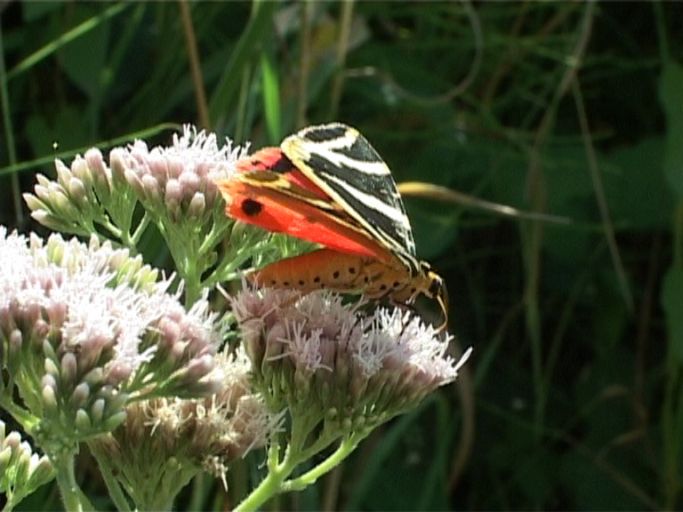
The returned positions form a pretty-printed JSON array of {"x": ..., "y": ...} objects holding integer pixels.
[{"x": 340, "y": 272}]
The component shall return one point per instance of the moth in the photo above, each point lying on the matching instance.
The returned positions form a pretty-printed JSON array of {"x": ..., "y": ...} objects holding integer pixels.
[{"x": 326, "y": 184}]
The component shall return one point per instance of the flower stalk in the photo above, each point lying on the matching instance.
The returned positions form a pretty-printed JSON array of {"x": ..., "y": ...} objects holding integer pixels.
[{"x": 72, "y": 496}]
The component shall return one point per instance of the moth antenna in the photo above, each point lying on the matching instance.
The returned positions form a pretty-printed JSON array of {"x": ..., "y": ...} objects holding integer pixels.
[{"x": 442, "y": 300}]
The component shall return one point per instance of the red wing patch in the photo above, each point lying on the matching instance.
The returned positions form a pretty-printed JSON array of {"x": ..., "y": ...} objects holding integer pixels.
[
  {"x": 273, "y": 159},
  {"x": 281, "y": 213}
]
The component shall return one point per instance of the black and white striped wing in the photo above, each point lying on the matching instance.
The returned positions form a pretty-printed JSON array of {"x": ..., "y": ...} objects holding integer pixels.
[{"x": 339, "y": 160}]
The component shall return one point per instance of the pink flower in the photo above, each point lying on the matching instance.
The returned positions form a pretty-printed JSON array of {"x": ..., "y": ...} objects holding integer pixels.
[
  {"x": 85, "y": 328},
  {"x": 314, "y": 352}
]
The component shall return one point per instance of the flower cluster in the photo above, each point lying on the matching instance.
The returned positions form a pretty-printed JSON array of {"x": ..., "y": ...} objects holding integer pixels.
[
  {"x": 177, "y": 180},
  {"x": 172, "y": 187},
  {"x": 86, "y": 329},
  {"x": 21, "y": 470},
  {"x": 83, "y": 195},
  {"x": 315, "y": 354},
  {"x": 169, "y": 440}
]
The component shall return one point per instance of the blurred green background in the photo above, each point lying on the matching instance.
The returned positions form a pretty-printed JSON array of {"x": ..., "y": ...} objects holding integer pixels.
[{"x": 574, "y": 394}]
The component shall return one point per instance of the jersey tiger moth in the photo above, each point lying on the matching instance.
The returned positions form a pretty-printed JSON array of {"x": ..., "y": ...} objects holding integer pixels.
[{"x": 326, "y": 184}]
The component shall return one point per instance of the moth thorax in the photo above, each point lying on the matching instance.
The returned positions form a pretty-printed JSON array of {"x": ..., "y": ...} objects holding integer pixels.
[{"x": 428, "y": 282}]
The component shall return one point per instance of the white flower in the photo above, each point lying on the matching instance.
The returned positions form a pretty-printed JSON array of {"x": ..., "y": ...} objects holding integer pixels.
[
  {"x": 180, "y": 178},
  {"x": 317, "y": 353},
  {"x": 86, "y": 327}
]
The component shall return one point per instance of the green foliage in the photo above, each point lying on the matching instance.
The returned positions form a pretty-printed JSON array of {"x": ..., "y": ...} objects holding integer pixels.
[{"x": 569, "y": 380}]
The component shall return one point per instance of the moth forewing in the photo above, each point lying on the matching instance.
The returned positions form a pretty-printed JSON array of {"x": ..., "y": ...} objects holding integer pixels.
[
  {"x": 340, "y": 161},
  {"x": 274, "y": 181},
  {"x": 278, "y": 212}
]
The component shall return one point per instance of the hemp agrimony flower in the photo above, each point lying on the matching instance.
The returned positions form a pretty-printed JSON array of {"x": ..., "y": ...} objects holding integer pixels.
[
  {"x": 338, "y": 372},
  {"x": 178, "y": 181},
  {"x": 85, "y": 194},
  {"x": 165, "y": 442},
  {"x": 85, "y": 330},
  {"x": 172, "y": 187},
  {"x": 21, "y": 470}
]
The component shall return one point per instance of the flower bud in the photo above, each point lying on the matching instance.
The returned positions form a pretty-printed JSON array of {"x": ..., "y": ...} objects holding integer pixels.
[
  {"x": 13, "y": 440},
  {"x": 136, "y": 183},
  {"x": 197, "y": 205},
  {"x": 158, "y": 167},
  {"x": 151, "y": 189},
  {"x": 63, "y": 172},
  {"x": 49, "y": 398},
  {"x": 189, "y": 181},
  {"x": 15, "y": 342},
  {"x": 97, "y": 410},
  {"x": 82, "y": 421},
  {"x": 118, "y": 166},
  {"x": 94, "y": 377},
  {"x": 5, "y": 458},
  {"x": 100, "y": 173},
  {"x": 80, "y": 395},
  {"x": 42, "y": 191},
  {"x": 41, "y": 473},
  {"x": 51, "y": 368},
  {"x": 61, "y": 204},
  {"x": 173, "y": 196},
  {"x": 49, "y": 220},
  {"x": 69, "y": 368},
  {"x": 40, "y": 330},
  {"x": 77, "y": 191},
  {"x": 114, "y": 420},
  {"x": 175, "y": 169},
  {"x": 118, "y": 372},
  {"x": 22, "y": 462},
  {"x": 33, "y": 202}
]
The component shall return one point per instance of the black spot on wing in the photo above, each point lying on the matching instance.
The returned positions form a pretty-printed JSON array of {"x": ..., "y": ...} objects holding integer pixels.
[{"x": 251, "y": 207}]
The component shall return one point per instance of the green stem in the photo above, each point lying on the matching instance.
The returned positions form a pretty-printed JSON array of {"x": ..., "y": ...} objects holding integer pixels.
[
  {"x": 74, "y": 500},
  {"x": 115, "y": 492},
  {"x": 347, "y": 446},
  {"x": 269, "y": 486},
  {"x": 275, "y": 482},
  {"x": 226, "y": 271},
  {"x": 142, "y": 226},
  {"x": 27, "y": 420},
  {"x": 116, "y": 232}
]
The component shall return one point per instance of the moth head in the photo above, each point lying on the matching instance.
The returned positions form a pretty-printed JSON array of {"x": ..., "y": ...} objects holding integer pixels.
[{"x": 435, "y": 288}]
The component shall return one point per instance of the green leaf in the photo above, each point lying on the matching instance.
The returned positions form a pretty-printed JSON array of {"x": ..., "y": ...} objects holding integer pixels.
[
  {"x": 434, "y": 232},
  {"x": 33, "y": 11},
  {"x": 409, "y": 464},
  {"x": 271, "y": 98},
  {"x": 256, "y": 31},
  {"x": 85, "y": 58},
  {"x": 672, "y": 302},
  {"x": 671, "y": 96},
  {"x": 636, "y": 187}
]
